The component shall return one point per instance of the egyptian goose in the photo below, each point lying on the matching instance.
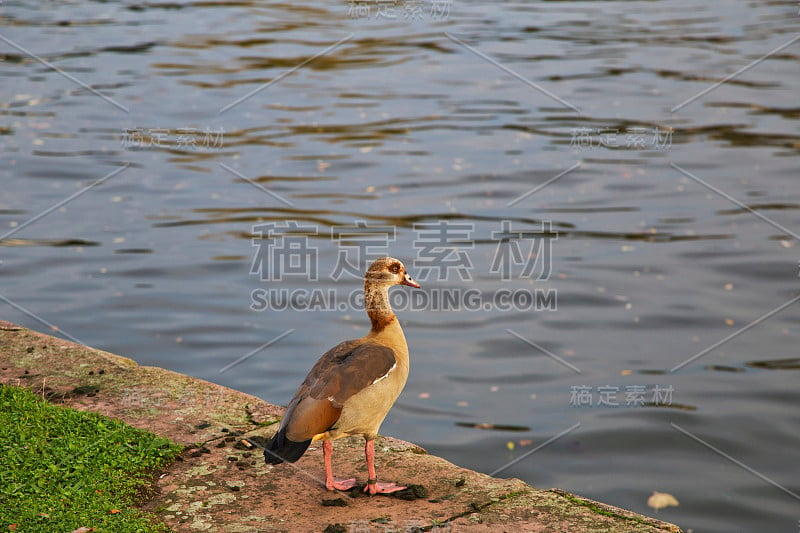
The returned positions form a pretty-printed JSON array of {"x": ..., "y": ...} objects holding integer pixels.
[{"x": 352, "y": 387}]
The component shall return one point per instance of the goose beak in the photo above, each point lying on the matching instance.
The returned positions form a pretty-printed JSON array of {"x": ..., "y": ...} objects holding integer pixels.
[{"x": 408, "y": 280}]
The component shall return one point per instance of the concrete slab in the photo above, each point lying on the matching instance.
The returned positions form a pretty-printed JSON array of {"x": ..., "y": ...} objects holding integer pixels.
[{"x": 221, "y": 482}]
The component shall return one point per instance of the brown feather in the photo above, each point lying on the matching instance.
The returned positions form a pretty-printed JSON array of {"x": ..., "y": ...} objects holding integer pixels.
[
  {"x": 340, "y": 373},
  {"x": 353, "y": 372},
  {"x": 311, "y": 417}
]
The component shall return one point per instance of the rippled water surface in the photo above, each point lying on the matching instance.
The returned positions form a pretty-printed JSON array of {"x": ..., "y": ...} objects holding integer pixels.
[{"x": 145, "y": 145}]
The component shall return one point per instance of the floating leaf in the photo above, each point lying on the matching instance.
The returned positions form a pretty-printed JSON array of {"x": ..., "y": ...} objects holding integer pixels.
[
  {"x": 499, "y": 427},
  {"x": 670, "y": 405},
  {"x": 724, "y": 368},
  {"x": 659, "y": 500},
  {"x": 776, "y": 364}
]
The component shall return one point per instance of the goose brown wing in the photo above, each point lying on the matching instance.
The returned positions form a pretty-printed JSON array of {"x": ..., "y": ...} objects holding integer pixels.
[{"x": 342, "y": 372}]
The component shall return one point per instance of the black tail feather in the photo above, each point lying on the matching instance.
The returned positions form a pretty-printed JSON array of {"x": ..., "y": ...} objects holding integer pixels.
[{"x": 280, "y": 449}]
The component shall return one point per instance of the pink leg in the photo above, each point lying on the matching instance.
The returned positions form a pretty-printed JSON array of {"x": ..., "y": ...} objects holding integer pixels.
[
  {"x": 332, "y": 483},
  {"x": 373, "y": 487}
]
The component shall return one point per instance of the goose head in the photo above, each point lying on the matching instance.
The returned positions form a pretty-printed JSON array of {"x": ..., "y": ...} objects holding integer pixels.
[{"x": 389, "y": 271}]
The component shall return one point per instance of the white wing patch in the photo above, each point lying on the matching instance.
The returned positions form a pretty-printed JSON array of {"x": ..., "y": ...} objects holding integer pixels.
[{"x": 386, "y": 375}]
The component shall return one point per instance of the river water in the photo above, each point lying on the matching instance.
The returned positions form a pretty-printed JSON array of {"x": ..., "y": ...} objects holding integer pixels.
[{"x": 600, "y": 200}]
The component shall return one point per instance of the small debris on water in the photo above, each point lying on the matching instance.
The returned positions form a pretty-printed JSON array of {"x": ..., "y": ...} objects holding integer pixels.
[{"x": 659, "y": 500}]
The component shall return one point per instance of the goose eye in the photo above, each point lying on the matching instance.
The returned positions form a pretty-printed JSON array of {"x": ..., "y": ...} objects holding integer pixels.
[{"x": 394, "y": 269}]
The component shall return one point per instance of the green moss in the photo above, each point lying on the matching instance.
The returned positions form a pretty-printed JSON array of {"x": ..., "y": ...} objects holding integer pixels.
[
  {"x": 514, "y": 494},
  {"x": 63, "y": 469},
  {"x": 600, "y": 510}
]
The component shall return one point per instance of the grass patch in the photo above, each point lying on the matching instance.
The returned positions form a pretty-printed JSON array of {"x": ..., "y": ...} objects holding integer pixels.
[{"x": 62, "y": 469}]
